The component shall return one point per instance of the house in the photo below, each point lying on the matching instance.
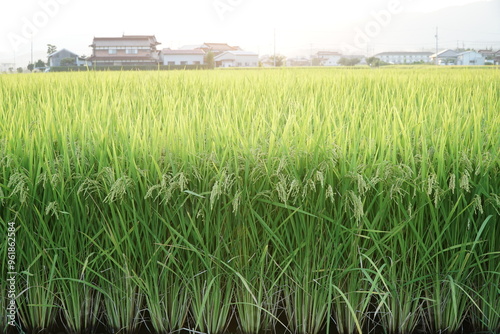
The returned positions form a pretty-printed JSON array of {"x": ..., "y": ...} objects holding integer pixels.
[
  {"x": 56, "y": 58},
  {"x": 126, "y": 50},
  {"x": 445, "y": 57},
  {"x": 404, "y": 57},
  {"x": 218, "y": 48},
  {"x": 470, "y": 58},
  {"x": 237, "y": 59},
  {"x": 489, "y": 56},
  {"x": 328, "y": 58},
  {"x": 182, "y": 57}
]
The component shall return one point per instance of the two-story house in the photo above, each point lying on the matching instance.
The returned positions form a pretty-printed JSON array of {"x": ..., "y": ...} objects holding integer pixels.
[{"x": 126, "y": 50}]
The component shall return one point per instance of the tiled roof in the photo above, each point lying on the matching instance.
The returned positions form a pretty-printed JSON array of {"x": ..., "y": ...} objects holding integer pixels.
[
  {"x": 235, "y": 53},
  {"x": 63, "y": 49},
  {"x": 219, "y": 46},
  {"x": 182, "y": 52},
  {"x": 446, "y": 53},
  {"x": 328, "y": 53},
  {"x": 125, "y": 41}
]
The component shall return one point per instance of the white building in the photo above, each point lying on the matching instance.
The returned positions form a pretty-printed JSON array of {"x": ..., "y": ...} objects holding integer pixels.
[
  {"x": 237, "y": 59},
  {"x": 470, "y": 58},
  {"x": 404, "y": 57},
  {"x": 182, "y": 57},
  {"x": 445, "y": 57},
  {"x": 328, "y": 58}
]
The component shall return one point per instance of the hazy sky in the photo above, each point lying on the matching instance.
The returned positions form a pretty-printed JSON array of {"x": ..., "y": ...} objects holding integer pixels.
[{"x": 302, "y": 27}]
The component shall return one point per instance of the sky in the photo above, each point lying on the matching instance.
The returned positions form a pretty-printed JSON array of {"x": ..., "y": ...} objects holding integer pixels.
[{"x": 293, "y": 28}]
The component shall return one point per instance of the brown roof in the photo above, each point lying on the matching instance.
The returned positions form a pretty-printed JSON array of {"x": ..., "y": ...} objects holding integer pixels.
[
  {"x": 125, "y": 40},
  {"x": 219, "y": 47},
  {"x": 183, "y": 52},
  {"x": 329, "y": 53}
]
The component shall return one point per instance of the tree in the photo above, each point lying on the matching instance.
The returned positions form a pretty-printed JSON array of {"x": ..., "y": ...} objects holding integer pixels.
[
  {"x": 210, "y": 60},
  {"x": 316, "y": 62},
  {"x": 348, "y": 61},
  {"x": 373, "y": 61},
  {"x": 19, "y": 70},
  {"x": 39, "y": 63},
  {"x": 50, "y": 50},
  {"x": 280, "y": 60},
  {"x": 31, "y": 67},
  {"x": 68, "y": 61}
]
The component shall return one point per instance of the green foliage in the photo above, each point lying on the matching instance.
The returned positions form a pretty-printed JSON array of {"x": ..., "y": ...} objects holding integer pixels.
[
  {"x": 278, "y": 60},
  {"x": 349, "y": 61},
  {"x": 316, "y": 62},
  {"x": 70, "y": 61},
  {"x": 51, "y": 49},
  {"x": 39, "y": 63},
  {"x": 209, "y": 60},
  {"x": 306, "y": 198},
  {"x": 375, "y": 62}
]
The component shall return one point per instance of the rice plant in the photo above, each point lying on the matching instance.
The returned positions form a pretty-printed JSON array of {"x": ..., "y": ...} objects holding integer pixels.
[{"x": 293, "y": 199}]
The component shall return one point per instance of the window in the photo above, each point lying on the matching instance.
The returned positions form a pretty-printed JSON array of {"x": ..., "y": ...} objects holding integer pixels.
[
  {"x": 184, "y": 62},
  {"x": 112, "y": 51},
  {"x": 171, "y": 63},
  {"x": 196, "y": 62},
  {"x": 130, "y": 51}
]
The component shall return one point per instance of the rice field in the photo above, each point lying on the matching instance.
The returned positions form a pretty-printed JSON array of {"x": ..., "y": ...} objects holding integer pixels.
[{"x": 297, "y": 201}]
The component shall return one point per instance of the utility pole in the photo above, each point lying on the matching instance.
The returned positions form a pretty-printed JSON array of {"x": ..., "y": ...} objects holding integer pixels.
[
  {"x": 32, "y": 49},
  {"x": 437, "y": 45},
  {"x": 311, "y": 54},
  {"x": 274, "y": 57}
]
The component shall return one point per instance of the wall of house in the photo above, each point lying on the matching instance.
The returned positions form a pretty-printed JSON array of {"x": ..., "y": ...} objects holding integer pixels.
[
  {"x": 470, "y": 58},
  {"x": 404, "y": 59},
  {"x": 331, "y": 61},
  {"x": 178, "y": 59},
  {"x": 239, "y": 61},
  {"x": 122, "y": 52}
]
